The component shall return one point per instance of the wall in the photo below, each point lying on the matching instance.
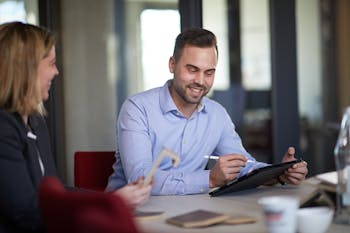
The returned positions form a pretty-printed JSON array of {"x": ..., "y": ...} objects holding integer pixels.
[{"x": 89, "y": 50}]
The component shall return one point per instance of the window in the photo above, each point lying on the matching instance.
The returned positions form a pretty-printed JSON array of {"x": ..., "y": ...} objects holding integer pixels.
[
  {"x": 215, "y": 20},
  {"x": 24, "y": 11},
  {"x": 157, "y": 38}
]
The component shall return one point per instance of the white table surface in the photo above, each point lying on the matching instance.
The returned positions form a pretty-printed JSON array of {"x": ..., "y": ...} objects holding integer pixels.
[{"x": 241, "y": 203}]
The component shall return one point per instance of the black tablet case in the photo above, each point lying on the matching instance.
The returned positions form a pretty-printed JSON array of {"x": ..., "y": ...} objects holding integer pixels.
[{"x": 253, "y": 179}]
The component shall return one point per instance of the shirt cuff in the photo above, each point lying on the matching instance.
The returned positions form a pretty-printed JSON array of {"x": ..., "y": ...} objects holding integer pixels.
[{"x": 198, "y": 182}]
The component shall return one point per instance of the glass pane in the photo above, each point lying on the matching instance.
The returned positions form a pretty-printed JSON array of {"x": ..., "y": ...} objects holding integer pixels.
[
  {"x": 255, "y": 45},
  {"x": 156, "y": 50},
  {"x": 103, "y": 63},
  {"x": 247, "y": 102},
  {"x": 309, "y": 59},
  {"x": 310, "y": 83},
  {"x": 256, "y": 78},
  {"x": 215, "y": 20},
  {"x": 149, "y": 42},
  {"x": 24, "y": 11}
]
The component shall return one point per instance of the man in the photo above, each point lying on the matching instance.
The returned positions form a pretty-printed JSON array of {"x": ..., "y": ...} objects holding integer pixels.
[{"x": 179, "y": 117}]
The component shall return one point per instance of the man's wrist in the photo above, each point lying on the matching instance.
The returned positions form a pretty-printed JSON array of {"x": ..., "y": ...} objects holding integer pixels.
[{"x": 211, "y": 185}]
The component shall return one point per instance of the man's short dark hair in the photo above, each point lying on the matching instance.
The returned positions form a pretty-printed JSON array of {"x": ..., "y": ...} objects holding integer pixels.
[{"x": 198, "y": 37}]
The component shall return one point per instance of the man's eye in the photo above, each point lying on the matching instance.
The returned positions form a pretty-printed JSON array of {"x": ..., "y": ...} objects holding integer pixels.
[{"x": 210, "y": 73}]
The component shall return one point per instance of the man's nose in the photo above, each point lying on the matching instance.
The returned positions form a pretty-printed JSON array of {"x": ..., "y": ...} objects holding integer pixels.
[{"x": 199, "y": 79}]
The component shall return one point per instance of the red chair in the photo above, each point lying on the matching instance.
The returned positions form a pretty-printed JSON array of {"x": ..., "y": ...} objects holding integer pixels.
[
  {"x": 92, "y": 169},
  {"x": 82, "y": 211}
]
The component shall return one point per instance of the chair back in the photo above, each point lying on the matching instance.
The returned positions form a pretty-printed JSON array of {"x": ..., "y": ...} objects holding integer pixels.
[
  {"x": 92, "y": 169},
  {"x": 82, "y": 211}
]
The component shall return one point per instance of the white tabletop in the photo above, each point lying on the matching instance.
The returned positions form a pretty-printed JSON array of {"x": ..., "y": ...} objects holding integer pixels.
[{"x": 241, "y": 203}]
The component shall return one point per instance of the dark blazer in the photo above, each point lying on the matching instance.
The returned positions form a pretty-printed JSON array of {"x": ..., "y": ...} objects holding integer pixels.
[{"x": 20, "y": 172}]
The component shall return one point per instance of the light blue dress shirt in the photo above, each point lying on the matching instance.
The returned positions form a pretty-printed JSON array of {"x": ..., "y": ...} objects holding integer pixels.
[{"x": 150, "y": 120}]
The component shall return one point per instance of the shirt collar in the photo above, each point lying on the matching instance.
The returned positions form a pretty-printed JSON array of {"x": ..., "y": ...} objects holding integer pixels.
[{"x": 167, "y": 103}]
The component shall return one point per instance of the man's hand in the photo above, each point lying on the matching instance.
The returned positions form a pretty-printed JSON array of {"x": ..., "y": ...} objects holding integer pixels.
[
  {"x": 295, "y": 174},
  {"x": 226, "y": 168}
]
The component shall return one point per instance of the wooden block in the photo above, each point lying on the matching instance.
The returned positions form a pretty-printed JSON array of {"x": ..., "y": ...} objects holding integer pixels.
[
  {"x": 234, "y": 220},
  {"x": 198, "y": 218}
]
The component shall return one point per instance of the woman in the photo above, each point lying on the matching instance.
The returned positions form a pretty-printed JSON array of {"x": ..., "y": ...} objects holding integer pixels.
[{"x": 27, "y": 68}]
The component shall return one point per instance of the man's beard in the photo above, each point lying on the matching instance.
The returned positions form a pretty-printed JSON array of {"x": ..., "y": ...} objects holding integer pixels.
[{"x": 188, "y": 99}]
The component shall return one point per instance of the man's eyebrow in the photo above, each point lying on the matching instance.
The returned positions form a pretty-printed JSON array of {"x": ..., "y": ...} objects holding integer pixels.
[{"x": 192, "y": 66}]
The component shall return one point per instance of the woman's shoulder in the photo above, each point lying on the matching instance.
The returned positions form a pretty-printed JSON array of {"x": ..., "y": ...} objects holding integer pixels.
[
  {"x": 12, "y": 128},
  {"x": 7, "y": 118}
]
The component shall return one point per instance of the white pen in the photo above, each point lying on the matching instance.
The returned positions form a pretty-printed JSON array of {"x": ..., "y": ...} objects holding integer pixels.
[{"x": 217, "y": 157}]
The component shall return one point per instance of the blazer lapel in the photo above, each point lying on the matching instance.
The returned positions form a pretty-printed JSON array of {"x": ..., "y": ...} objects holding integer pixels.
[
  {"x": 33, "y": 160},
  {"x": 39, "y": 128}
]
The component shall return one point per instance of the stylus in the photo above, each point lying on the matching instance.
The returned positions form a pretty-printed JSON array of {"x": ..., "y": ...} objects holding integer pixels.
[{"x": 217, "y": 157}]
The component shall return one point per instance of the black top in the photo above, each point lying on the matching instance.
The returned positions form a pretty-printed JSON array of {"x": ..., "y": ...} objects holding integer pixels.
[{"x": 20, "y": 172}]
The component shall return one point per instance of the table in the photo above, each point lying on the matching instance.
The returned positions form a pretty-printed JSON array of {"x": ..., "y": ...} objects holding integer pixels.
[{"x": 240, "y": 203}]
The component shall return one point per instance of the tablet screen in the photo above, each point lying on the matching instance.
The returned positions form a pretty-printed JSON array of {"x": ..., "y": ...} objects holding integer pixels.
[{"x": 254, "y": 179}]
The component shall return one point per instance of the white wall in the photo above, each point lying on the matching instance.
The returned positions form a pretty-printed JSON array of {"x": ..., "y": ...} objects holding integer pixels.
[{"x": 89, "y": 50}]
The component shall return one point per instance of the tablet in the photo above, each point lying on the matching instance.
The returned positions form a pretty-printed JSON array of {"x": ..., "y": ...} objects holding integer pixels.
[{"x": 254, "y": 178}]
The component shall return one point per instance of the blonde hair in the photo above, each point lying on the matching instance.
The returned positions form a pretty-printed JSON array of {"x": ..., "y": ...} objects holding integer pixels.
[{"x": 22, "y": 47}]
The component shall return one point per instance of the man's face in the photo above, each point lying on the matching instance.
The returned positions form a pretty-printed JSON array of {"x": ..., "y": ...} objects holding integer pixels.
[{"x": 193, "y": 74}]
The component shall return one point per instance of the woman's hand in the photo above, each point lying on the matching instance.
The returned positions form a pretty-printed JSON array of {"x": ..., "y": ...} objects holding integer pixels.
[{"x": 135, "y": 193}]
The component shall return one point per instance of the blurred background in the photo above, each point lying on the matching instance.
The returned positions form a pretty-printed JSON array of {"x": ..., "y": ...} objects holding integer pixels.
[{"x": 283, "y": 71}]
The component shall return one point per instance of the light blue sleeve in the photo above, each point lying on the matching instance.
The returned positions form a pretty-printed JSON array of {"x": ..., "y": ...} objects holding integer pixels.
[{"x": 135, "y": 147}]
